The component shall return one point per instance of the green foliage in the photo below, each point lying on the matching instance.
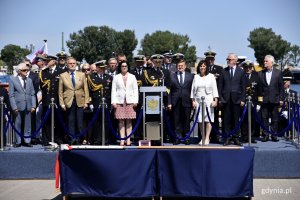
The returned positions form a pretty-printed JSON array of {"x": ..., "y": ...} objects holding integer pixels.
[
  {"x": 264, "y": 41},
  {"x": 164, "y": 41},
  {"x": 294, "y": 55},
  {"x": 94, "y": 43},
  {"x": 13, "y": 55}
]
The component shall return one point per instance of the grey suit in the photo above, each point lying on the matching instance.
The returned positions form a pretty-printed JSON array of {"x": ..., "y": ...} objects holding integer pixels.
[{"x": 22, "y": 100}]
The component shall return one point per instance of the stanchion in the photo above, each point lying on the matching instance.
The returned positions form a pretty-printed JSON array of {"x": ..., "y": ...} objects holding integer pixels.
[
  {"x": 52, "y": 119},
  {"x": 293, "y": 112},
  {"x": 249, "y": 120},
  {"x": 1, "y": 125},
  {"x": 103, "y": 120},
  {"x": 203, "y": 124},
  {"x": 298, "y": 136},
  {"x": 53, "y": 145},
  {"x": 287, "y": 133}
]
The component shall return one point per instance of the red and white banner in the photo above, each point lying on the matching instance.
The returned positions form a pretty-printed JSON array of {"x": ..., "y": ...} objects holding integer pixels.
[{"x": 43, "y": 50}]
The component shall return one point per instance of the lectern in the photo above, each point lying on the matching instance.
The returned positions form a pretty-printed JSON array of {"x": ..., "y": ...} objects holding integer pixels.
[{"x": 153, "y": 105}]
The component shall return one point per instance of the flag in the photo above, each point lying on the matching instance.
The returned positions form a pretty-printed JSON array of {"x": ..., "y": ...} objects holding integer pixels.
[{"x": 43, "y": 50}]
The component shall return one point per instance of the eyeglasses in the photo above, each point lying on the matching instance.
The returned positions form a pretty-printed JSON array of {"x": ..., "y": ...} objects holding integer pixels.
[
  {"x": 229, "y": 59},
  {"x": 24, "y": 70},
  {"x": 28, "y": 65},
  {"x": 84, "y": 70}
]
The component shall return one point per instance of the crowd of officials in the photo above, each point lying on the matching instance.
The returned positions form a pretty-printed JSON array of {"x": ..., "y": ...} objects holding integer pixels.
[{"x": 78, "y": 91}]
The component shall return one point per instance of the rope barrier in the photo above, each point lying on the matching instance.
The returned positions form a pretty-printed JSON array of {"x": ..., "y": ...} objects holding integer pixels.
[
  {"x": 72, "y": 135},
  {"x": 115, "y": 133},
  {"x": 33, "y": 134},
  {"x": 259, "y": 121},
  {"x": 226, "y": 135},
  {"x": 173, "y": 134}
]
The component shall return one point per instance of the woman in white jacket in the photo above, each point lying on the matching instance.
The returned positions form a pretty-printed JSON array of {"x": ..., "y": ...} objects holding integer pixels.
[
  {"x": 124, "y": 99},
  {"x": 204, "y": 84}
]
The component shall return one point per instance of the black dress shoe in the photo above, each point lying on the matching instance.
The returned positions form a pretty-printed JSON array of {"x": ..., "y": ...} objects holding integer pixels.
[
  {"x": 27, "y": 145},
  {"x": 176, "y": 142},
  {"x": 187, "y": 142},
  {"x": 227, "y": 142},
  {"x": 238, "y": 142},
  {"x": 17, "y": 145},
  {"x": 265, "y": 139},
  {"x": 275, "y": 139}
]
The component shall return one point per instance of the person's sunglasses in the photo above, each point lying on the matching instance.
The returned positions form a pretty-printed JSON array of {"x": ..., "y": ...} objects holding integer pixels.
[
  {"x": 84, "y": 70},
  {"x": 24, "y": 70}
]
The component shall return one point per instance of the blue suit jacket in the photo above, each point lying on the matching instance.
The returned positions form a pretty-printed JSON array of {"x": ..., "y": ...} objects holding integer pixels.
[
  {"x": 181, "y": 91},
  {"x": 19, "y": 98}
]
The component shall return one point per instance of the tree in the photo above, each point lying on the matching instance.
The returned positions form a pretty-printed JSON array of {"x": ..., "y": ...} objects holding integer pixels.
[
  {"x": 164, "y": 41},
  {"x": 264, "y": 41},
  {"x": 13, "y": 55},
  {"x": 94, "y": 43},
  {"x": 294, "y": 55}
]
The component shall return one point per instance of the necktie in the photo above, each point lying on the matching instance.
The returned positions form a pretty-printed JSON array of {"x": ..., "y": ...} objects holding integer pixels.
[
  {"x": 181, "y": 78},
  {"x": 231, "y": 73},
  {"x": 24, "y": 82},
  {"x": 73, "y": 79}
]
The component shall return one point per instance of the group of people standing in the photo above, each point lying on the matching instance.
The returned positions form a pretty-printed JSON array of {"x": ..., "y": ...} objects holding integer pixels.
[{"x": 78, "y": 93}]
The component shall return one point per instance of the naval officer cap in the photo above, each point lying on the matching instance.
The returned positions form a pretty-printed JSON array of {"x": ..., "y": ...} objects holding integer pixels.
[
  {"x": 139, "y": 58},
  {"x": 157, "y": 57},
  {"x": 210, "y": 54},
  {"x": 62, "y": 54},
  {"x": 178, "y": 56},
  {"x": 101, "y": 63}
]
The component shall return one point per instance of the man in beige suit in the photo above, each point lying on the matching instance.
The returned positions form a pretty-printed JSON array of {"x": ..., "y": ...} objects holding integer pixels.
[{"x": 73, "y": 98}]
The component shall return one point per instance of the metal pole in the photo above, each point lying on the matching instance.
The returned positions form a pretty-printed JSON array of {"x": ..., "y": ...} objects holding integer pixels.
[
  {"x": 103, "y": 121},
  {"x": 203, "y": 123},
  {"x": 287, "y": 133},
  {"x": 52, "y": 119},
  {"x": 249, "y": 120},
  {"x": 144, "y": 120},
  {"x": 293, "y": 125},
  {"x": 1, "y": 125},
  {"x": 161, "y": 120},
  {"x": 298, "y": 100}
]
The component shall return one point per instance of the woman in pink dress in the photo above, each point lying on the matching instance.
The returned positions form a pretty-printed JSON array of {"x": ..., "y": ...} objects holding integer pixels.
[{"x": 124, "y": 99}]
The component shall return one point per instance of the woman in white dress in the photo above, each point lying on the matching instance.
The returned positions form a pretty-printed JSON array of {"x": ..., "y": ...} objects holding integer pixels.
[{"x": 204, "y": 84}]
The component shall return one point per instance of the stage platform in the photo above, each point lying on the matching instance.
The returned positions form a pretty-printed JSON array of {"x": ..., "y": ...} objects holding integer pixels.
[{"x": 272, "y": 160}]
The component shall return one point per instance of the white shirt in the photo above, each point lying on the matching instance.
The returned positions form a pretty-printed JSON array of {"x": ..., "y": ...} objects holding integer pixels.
[
  {"x": 178, "y": 76},
  {"x": 269, "y": 76}
]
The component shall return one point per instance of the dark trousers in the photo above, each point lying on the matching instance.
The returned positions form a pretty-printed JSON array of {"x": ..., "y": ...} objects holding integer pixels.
[
  {"x": 58, "y": 130},
  {"x": 181, "y": 119},
  {"x": 75, "y": 119},
  {"x": 270, "y": 110},
  {"x": 232, "y": 112}
]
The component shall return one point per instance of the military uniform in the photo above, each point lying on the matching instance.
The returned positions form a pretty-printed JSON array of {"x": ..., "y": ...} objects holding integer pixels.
[
  {"x": 157, "y": 76},
  {"x": 99, "y": 87},
  {"x": 216, "y": 70},
  {"x": 62, "y": 55},
  {"x": 252, "y": 86},
  {"x": 49, "y": 86}
]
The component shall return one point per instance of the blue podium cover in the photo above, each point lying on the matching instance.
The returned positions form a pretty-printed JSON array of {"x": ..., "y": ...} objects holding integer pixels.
[
  {"x": 151, "y": 172},
  {"x": 108, "y": 173},
  {"x": 206, "y": 173}
]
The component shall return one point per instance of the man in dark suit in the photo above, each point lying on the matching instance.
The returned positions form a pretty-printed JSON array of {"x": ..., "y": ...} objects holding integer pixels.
[
  {"x": 99, "y": 86},
  {"x": 271, "y": 89},
  {"x": 23, "y": 102},
  {"x": 180, "y": 100},
  {"x": 232, "y": 87}
]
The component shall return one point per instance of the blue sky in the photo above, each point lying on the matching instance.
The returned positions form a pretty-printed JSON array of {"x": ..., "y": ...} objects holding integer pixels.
[{"x": 224, "y": 25}]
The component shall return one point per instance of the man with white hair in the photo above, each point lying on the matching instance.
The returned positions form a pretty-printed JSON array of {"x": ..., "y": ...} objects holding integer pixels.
[
  {"x": 23, "y": 102},
  {"x": 271, "y": 90}
]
